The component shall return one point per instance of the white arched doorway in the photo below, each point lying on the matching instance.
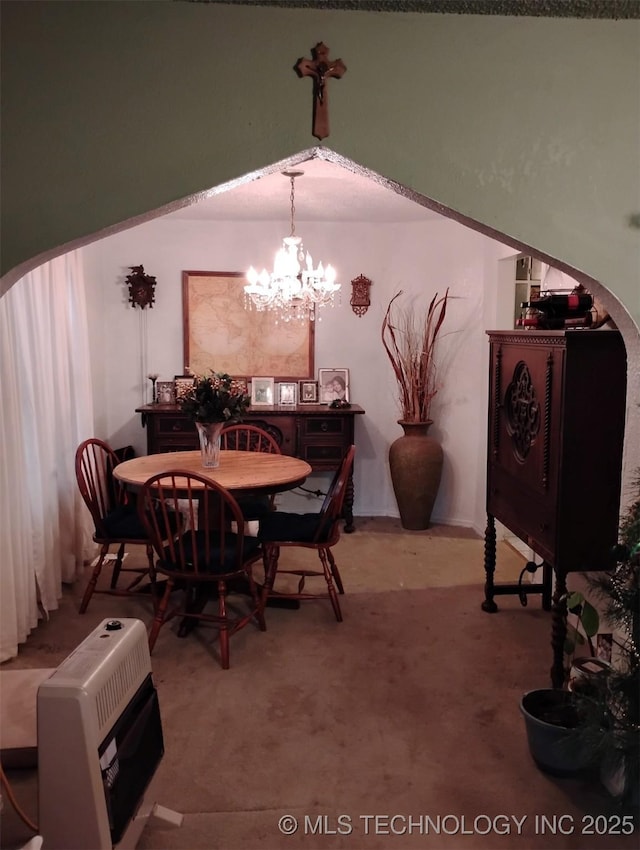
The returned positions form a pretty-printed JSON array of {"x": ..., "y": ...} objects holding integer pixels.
[{"x": 464, "y": 404}]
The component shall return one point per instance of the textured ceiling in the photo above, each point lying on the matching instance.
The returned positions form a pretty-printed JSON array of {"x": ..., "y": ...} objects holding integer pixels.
[
  {"x": 606, "y": 9},
  {"x": 324, "y": 192}
]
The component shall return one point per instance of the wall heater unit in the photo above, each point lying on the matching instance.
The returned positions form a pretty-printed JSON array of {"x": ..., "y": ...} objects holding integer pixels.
[{"x": 99, "y": 742}]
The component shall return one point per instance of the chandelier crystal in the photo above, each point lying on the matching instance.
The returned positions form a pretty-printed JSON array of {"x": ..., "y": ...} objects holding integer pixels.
[{"x": 294, "y": 289}]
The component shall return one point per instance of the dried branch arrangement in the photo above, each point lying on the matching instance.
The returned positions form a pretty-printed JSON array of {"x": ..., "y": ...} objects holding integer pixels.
[{"x": 410, "y": 342}]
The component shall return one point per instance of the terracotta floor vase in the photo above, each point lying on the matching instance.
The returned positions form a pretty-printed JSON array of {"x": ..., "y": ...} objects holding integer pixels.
[{"x": 415, "y": 461}]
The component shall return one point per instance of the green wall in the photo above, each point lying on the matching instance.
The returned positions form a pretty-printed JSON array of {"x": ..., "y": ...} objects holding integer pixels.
[{"x": 529, "y": 125}]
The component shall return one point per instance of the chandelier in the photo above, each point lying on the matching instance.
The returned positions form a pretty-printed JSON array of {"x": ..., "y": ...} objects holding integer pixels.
[{"x": 294, "y": 289}]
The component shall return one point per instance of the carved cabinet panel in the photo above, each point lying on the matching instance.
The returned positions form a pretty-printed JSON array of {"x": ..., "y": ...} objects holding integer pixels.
[{"x": 556, "y": 428}]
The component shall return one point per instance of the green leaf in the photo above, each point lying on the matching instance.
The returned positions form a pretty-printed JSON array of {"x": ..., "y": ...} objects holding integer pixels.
[
  {"x": 575, "y": 600},
  {"x": 590, "y": 619}
]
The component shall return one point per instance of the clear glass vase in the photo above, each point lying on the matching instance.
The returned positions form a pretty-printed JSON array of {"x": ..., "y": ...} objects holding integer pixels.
[{"x": 209, "y": 434}]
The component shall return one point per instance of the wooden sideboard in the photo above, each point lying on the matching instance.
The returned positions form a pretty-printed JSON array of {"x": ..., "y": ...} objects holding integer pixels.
[
  {"x": 316, "y": 433},
  {"x": 554, "y": 457}
]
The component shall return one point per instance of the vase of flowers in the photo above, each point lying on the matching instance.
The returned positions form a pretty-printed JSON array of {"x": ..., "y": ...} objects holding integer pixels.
[
  {"x": 212, "y": 402},
  {"x": 415, "y": 458}
]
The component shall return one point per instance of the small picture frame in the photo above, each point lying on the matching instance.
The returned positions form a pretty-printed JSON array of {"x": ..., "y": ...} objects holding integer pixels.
[
  {"x": 165, "y": 392},
  {"x": 307, "y": 392},
  {"x": 287, "y": 392},
  {"x": 182, "y": 384},
  {"x": 333, "y": 384},
  {"x": 242, "y": 383},
  {"x": 262, "y": 391}
]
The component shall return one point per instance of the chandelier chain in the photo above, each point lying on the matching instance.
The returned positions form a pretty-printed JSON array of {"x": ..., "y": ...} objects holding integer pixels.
[{"x": 293, "y": 206}]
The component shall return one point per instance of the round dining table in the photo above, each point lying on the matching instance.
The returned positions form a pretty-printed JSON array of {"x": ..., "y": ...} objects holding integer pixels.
[
  {"x": 253, "y": 472},
  {"x": 238, "y": 472}
]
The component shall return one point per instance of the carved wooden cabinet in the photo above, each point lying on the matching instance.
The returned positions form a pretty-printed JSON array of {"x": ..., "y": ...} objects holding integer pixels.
[
  {"x": 555, "y": 437},
  {"x": 316, "y": 433}
]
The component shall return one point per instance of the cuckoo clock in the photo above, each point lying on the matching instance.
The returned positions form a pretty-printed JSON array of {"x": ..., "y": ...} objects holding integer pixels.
[
  {"x": 360, "y": 300},
  {"x": 141, "y": 287}
]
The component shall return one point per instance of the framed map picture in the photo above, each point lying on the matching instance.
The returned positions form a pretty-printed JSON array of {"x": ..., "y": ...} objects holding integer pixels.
[{"x": 220, "y": 333}]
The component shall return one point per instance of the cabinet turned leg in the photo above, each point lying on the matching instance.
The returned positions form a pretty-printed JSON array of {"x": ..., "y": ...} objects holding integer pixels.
[
  {"x": 489, "y": 564},
  {"x": 547, "y": 586},
  {"x": 558, "y": 630}
]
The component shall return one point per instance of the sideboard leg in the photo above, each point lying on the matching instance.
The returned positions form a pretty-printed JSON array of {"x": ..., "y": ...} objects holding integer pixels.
[{"x": 489, "y": 564}]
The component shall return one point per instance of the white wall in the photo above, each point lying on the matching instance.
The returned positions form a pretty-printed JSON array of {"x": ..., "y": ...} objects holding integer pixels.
[{"x": 419, "y": 258}]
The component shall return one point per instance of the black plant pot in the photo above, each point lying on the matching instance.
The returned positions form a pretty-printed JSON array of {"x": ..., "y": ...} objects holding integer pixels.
[{"x": 551, "y": 720}]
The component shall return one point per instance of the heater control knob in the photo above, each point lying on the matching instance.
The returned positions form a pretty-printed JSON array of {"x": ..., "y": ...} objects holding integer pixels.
[{"x": 113, "y": 625}]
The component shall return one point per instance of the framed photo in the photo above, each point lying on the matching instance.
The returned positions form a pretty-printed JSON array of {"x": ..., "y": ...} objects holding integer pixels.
[
  {"x": 307, "y": 392},
  {"x": 287, "y": 392},
  {"x": 333, "y": 384},
  {"x": 181, "y": 384},
  {"x": 262, "y": 391},
  {"x": 242, "y": 383},
  {"x": 220, "y": 333},
  {"x": 165, "y": 392}
]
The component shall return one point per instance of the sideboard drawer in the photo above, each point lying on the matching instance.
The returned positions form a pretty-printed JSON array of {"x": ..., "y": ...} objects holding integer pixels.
[
  {"x": 323, "y": 426},
  {"x": 168, "y": 425},
  {"x": 322, "y": 454}
]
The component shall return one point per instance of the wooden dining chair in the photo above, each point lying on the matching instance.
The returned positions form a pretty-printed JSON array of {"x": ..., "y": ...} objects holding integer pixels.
[
  {"x": 315, "y": 531},
  {"x": 115, "y": 518},
  {"x": 248, "y": 438},
  {"x": 204, "y": 559},
  {"x": 251, "y": 438}
]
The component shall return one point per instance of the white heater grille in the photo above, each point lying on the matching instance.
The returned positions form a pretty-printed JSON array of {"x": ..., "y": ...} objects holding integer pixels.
[{"x": 121, "y": 684}]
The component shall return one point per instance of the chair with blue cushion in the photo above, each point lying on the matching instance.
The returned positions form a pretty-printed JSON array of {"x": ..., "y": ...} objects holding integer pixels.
[
  {"x": 315, "y": 531},
  {"x": 251, "y": 438},
  {"x": 205, "y": 560},
  {"x": 114, "y": 514}
]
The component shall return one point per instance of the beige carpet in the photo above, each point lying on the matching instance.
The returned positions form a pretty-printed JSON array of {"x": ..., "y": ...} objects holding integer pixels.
[{"x": 409, "y": 708}]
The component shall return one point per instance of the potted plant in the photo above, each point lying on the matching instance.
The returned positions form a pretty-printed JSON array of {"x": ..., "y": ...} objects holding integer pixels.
[
  {"x": 552, "y": 715},
  {"x": 610, "y": 715},
  {"x": 415, "y": 459},
  {"x": 602, "y": 720},
  {"x": 213, "y": 401}
]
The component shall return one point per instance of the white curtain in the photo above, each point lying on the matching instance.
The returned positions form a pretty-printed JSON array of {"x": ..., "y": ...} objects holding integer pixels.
[{"x": 46, "y": 410}]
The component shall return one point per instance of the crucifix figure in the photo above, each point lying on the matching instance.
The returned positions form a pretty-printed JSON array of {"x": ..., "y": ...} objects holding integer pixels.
[{"x": 320, "y": 67}]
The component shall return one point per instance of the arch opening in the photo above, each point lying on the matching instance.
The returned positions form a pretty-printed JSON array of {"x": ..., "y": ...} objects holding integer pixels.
[{"x": 392, "y": 188}]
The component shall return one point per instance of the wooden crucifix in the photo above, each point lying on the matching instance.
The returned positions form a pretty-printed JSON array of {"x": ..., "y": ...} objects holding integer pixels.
[{"x": 320, "y": 67}]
